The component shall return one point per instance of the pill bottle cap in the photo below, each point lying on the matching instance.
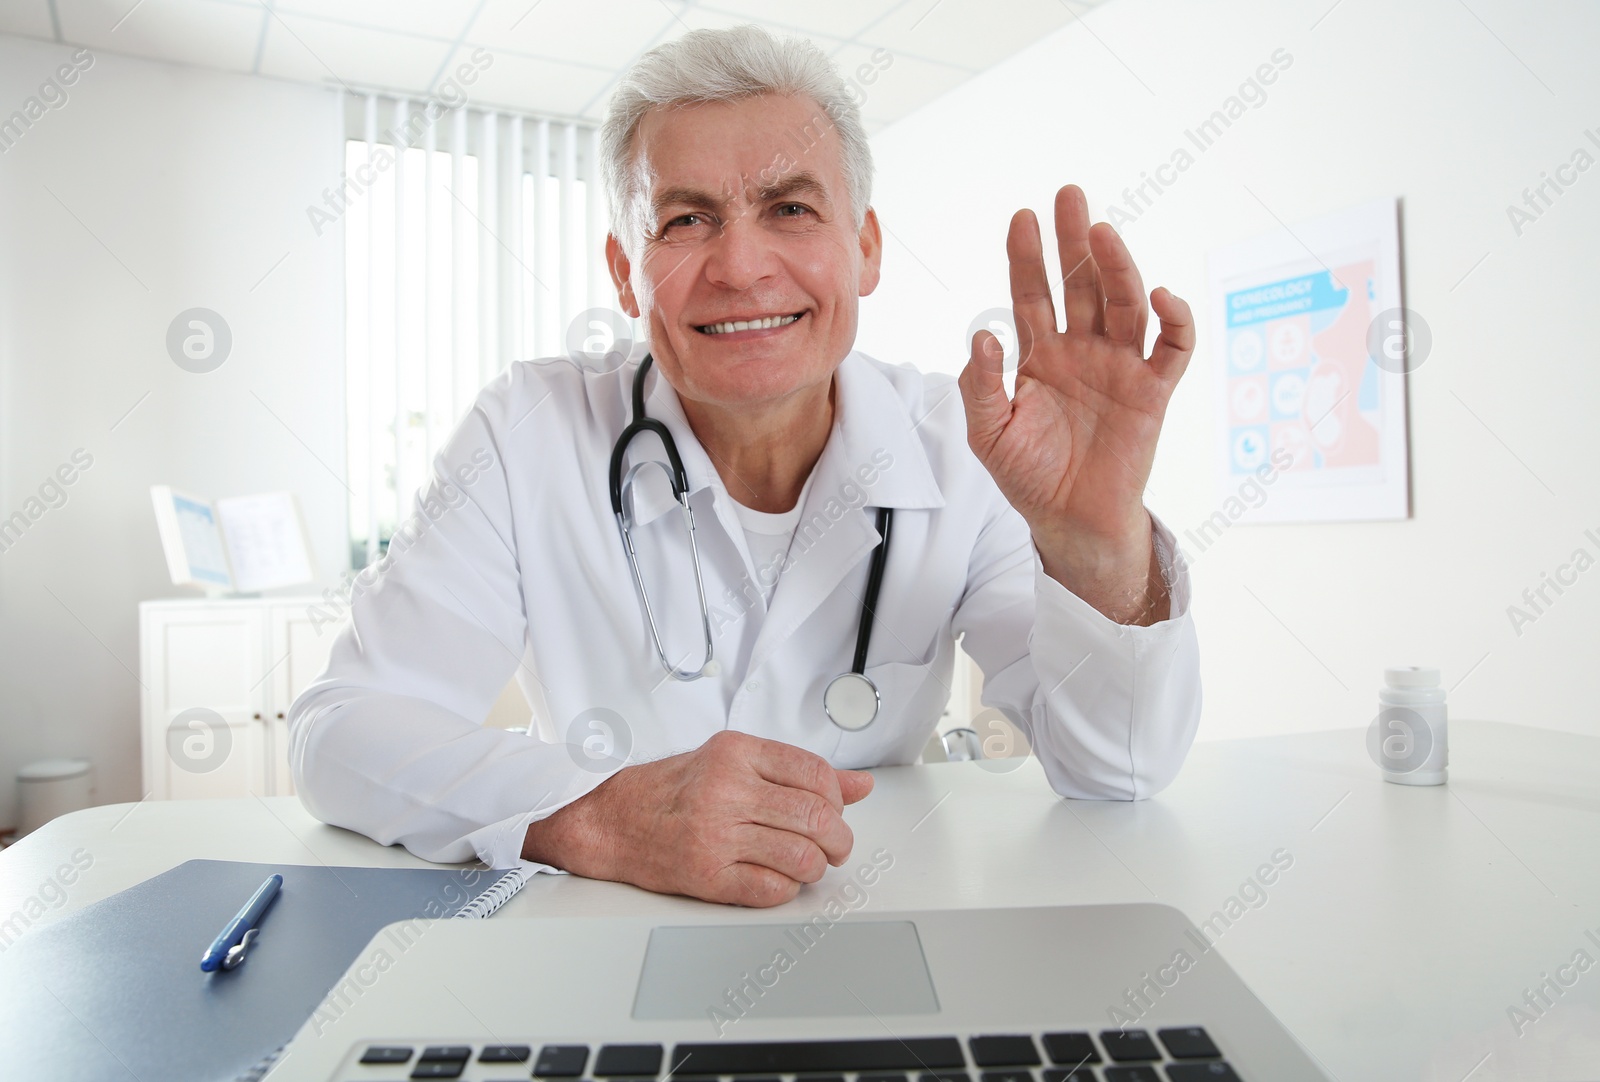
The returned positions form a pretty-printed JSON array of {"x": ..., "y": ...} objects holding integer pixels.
[{"x": 1411, "y": 677}]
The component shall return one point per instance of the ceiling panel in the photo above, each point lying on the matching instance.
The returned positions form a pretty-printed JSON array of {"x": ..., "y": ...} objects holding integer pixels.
[
  {"x": 429, "y": 18},
  {"x": 313, "y": 50},
  {"x": 962, "y": 31},
  {"x": 836, "y": 18},
  {"x": 556, "y": 57},
  {"x": 202, "y": 32},
  {"x": 902, "y": 86},
  {"x": 534, "y": 85},
  {"x": 607, "y": 34},
  {"x": 704, "y": 18}
]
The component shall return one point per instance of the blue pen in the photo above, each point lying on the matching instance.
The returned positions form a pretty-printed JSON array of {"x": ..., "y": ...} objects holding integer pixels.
[{"x": 229, "y": 948}]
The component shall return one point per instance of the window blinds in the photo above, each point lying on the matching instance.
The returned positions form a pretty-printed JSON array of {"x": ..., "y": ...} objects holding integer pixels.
[{"x": 473, "y": 238}]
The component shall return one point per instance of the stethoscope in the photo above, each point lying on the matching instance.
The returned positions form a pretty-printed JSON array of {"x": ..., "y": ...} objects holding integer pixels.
[{"x": 851, "y": 700}]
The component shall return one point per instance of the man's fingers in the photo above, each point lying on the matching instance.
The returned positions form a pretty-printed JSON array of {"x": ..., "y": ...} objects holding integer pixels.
[
  {"x": 983, "y": 392},
  {"x": 1175, "y": 345},
  {"x": 854, "y": 784},
  {"x": 785, "y": 852},
  {"x": 1034, "y": 311},
  {"x": 986, "y": 366},
  {"x": 1125, "y": 314},
  {"x": 1082, "y": 297},
  {"x": 751, "y": 884},
  {"x": 802, "y": 812},
  {"x": 785, "y": 764}
]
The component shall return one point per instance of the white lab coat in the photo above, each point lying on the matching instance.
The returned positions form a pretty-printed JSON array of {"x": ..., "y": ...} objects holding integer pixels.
[{"x": 513, "y": 563}]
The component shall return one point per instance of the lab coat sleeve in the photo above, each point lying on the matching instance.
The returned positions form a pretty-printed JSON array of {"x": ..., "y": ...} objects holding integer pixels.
[
  {"x": 1110, "y": 710},
  {"x": 389, "y": 741}
]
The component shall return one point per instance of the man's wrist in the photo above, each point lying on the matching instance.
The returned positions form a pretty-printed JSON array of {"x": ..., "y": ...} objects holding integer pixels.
[
  {"x": 1119, "y": 575},
  {"x": 568, "y": 839}
]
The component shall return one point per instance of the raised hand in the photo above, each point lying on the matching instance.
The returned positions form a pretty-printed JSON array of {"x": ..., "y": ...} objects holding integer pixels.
[{"x": 1072, "y": 449}]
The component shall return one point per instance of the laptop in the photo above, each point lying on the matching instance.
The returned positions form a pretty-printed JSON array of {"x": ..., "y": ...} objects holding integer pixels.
[{"x": 1103, "y": 993}]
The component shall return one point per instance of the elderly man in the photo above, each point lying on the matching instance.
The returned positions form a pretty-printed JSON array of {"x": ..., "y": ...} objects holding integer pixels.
[{"x": 687, "y": 738}]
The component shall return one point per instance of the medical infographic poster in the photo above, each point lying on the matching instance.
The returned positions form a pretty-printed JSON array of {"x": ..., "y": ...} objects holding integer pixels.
[
  {"x": 267, "y": 542},
  {"x": 191, "y": 538},
  {"x": 243, "y": 544},
  {"x": 1308, "y": 332}
]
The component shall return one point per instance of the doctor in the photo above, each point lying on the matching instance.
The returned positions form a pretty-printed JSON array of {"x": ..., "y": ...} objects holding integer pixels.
[{"x": 742, "y": 237}]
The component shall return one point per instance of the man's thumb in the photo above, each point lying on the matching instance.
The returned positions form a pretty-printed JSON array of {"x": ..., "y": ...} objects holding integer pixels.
[
  {"x": 853, "y": 785},
  {"x": 983, "y": 392}
]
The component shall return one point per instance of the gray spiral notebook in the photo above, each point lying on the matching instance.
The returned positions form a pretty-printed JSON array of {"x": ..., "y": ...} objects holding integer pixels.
[{"x": 115, "y": 991}]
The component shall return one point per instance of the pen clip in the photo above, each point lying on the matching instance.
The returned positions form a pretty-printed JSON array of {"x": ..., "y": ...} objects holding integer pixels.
[{"x": 236, "y": 953}]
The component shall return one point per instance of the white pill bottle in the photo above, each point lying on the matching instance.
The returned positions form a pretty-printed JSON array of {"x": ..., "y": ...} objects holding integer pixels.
[{"x": 1410, "y": 737}]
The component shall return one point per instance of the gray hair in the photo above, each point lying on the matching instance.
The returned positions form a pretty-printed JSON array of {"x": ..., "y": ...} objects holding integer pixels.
[{"x": 723, "y": 66}]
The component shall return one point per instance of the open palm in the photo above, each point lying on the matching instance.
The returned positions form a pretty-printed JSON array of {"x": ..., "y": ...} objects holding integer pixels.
[{"x": 1072, "y": 449}]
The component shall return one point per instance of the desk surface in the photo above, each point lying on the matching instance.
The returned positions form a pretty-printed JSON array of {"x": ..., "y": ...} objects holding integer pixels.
[{"x": 1393, "y": 946}]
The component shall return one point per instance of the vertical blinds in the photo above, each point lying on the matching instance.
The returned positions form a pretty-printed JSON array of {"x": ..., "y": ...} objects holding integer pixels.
[{"x": 473, "y": 238}]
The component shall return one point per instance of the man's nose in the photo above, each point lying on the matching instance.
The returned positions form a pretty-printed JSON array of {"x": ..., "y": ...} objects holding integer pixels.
[{"x": 741, "y": 254}]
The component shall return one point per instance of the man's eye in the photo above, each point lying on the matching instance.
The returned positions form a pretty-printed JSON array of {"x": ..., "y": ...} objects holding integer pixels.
[
  {"x": 800, "y": 207},
  {"x": 682, "y": 219}
]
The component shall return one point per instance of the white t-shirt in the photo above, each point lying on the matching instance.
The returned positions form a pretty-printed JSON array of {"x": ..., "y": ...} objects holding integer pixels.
[{"x": 769, "y": 537}]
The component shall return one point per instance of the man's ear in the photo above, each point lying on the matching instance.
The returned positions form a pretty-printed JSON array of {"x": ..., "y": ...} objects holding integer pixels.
[
  {"x": 871, "y": 240},
  {"x": 621, "y": 275}
]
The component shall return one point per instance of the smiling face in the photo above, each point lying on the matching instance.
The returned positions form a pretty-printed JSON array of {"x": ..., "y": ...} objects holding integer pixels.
[{"x": 751, "y": 269}]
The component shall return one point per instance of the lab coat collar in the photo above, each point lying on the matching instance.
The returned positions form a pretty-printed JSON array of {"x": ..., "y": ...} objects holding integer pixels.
[
  {"x": 872, "y": 425},
  {"x": 873, "y": 458}
]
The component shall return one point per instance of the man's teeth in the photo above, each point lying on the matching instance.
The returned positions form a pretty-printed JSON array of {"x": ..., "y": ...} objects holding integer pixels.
[{"x": 747, "y": 324}]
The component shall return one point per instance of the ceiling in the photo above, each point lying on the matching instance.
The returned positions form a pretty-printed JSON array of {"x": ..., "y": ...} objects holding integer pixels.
[{"x": 554, "y": 58}]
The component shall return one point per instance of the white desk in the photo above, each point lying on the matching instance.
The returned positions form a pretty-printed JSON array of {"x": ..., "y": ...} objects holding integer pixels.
[{"x": 1409, "y": 921}]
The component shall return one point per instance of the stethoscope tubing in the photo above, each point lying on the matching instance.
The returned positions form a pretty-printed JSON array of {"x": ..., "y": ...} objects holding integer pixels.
[{"x": 679, "y": 480}]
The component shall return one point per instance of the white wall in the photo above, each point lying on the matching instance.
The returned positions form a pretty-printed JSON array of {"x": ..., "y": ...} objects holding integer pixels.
[
  {"x": 154, "y": 189},
  {"x": 1416, "y": 99}
]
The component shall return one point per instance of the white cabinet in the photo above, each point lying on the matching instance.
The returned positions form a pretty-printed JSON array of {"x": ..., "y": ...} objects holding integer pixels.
[{"x": 218, "y": 678}]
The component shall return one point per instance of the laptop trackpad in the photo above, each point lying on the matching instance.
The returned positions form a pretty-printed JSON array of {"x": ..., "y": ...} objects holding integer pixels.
[{"x": 727, "y": 972}]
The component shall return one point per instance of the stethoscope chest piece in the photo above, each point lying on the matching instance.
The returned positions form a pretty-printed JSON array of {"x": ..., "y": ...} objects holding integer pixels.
[{"x": 851, "y": 701}]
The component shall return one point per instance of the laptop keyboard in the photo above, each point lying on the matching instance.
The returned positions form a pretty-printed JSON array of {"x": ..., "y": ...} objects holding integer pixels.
[{"x": 1177, "y": 1054}]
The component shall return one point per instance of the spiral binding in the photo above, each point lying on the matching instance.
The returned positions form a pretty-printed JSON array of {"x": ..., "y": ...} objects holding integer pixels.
[
  {"x": 496, "y": 895},
  {"x": 258, "y": 1071}
]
